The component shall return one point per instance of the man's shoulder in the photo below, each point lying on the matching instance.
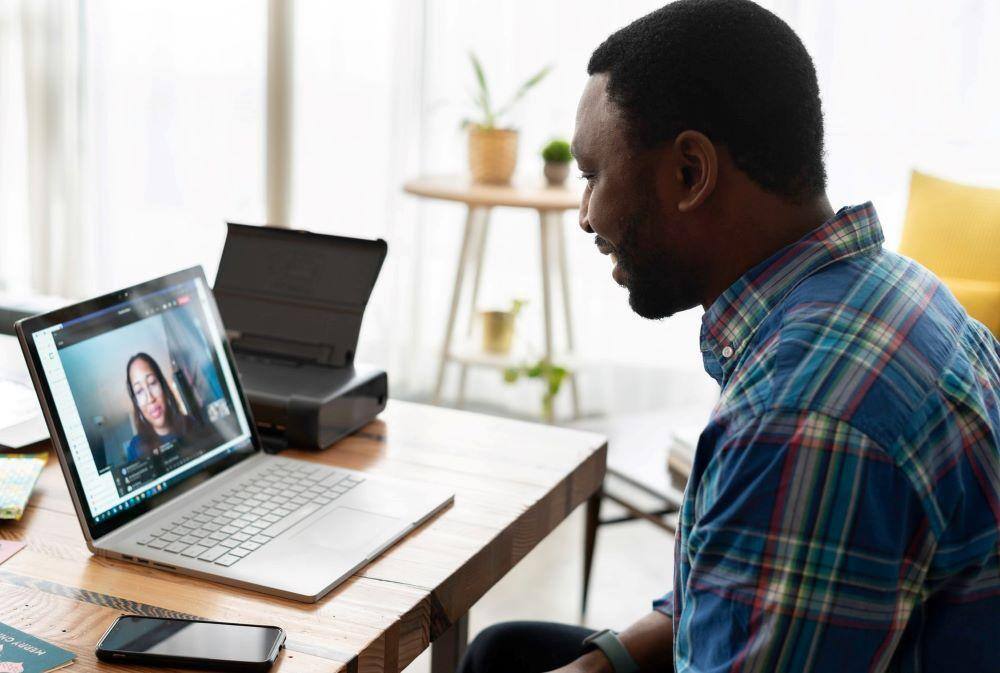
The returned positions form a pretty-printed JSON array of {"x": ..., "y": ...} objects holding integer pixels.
[
  {"x": 877, "y": 348},
  {"x": 865, "y": 340}
]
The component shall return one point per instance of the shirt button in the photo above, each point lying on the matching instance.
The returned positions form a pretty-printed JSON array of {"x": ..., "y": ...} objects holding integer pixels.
[{"x": 727, "y": 352}]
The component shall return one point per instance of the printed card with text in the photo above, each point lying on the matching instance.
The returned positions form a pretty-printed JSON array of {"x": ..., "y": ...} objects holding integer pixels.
[{"x": 21, "y": 653}]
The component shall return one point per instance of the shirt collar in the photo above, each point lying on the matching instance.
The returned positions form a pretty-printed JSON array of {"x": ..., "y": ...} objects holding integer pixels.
[{"x": 731, "y": 320}]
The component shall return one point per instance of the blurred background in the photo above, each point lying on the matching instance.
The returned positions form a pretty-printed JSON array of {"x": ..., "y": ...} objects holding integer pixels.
[{"x": 130, "y": 132}]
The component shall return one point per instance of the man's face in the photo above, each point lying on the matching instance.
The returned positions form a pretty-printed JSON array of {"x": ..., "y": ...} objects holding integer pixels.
[{"x": 632, "y": 210}]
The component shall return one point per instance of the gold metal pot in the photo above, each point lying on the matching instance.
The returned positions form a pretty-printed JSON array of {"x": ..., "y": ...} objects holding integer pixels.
[
  {"x": 498, "y": 331},
  {"x": 492, "y": 155}
]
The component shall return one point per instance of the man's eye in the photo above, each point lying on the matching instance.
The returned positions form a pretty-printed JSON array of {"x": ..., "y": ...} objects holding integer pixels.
[{"x": 589, "y": 177}]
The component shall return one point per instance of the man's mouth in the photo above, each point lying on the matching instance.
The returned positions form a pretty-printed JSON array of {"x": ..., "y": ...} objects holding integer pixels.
[
  {"x": 603, "y": 246},
  {"x": 617, "y": 273}
]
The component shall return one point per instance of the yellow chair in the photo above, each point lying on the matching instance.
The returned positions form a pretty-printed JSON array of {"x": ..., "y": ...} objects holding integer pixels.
[{"x": 954, "y": 230}]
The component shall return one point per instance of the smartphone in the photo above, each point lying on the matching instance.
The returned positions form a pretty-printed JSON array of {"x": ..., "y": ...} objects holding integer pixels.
[{"x": 188, "y": 643}]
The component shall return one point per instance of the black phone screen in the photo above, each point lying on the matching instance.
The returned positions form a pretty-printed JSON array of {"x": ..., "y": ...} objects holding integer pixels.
[{"x": 211, "y": 641}]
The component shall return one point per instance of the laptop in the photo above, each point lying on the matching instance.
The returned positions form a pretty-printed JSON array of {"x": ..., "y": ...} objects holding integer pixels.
[{"x": 163, "y": 463}]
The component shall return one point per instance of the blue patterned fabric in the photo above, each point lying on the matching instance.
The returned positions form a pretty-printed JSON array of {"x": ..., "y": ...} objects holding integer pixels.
[{"x": 843, "y": 511}]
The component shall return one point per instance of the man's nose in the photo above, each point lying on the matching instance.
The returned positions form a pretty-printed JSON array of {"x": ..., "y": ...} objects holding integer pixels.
[{"x": 585, "y": 212}]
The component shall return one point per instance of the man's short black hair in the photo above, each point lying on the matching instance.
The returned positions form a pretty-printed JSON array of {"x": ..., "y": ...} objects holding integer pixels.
[{"x": 731, "y": 70}]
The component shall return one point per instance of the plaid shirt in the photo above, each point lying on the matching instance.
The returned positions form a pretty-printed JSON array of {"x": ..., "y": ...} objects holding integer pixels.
[{"x": 843, "y": 510}]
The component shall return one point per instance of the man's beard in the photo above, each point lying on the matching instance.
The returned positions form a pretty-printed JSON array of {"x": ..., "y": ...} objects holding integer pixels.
[{"x": 654, "y": 292}]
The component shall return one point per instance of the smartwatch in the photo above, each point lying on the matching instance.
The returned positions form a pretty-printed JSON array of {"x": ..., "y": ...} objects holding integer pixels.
[{"x": 607, "y": 641}]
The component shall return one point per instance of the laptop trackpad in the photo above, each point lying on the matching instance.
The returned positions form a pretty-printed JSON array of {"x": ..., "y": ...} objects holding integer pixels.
[{"x": 346, "y": 529}]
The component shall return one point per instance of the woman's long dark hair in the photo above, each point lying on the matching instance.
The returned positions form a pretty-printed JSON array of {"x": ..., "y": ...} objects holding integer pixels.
[{"x": 176, "y": 420}]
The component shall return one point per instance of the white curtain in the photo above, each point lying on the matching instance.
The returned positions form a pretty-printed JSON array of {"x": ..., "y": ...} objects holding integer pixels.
[
  {"x": 156, "y": 134},
  {"x": 42, "y": 230}
]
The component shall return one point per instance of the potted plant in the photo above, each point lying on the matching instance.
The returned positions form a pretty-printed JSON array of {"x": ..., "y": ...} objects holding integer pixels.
[
  {"x": 493, "y": 147},
  {"x": 551, "y": 375},
  {"x": 498, "y": 328},
  {"x": 557, "y": 159}
]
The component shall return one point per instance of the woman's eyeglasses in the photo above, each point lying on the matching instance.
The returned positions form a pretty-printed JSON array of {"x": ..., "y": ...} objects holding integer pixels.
[{"x": 143, "y": 393}]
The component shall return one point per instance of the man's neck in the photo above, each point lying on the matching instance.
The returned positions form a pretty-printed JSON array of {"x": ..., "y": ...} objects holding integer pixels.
[{"x": 760, "y": 230}]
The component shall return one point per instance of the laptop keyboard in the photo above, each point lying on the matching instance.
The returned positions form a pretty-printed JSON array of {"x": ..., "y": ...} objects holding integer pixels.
[{"x": 243, "y": 519}]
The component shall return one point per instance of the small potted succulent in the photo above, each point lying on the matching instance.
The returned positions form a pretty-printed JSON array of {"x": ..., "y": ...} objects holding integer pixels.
[
  {"x": 493, "y": 147},
  {"x": 557, "y": 159}
]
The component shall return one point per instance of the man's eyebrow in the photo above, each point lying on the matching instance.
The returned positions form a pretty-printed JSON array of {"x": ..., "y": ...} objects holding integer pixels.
[{"x": 575, "y": 151}]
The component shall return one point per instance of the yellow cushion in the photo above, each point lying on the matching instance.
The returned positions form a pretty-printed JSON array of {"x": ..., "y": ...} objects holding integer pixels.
[
  {"x": 954, "y": 230},
  {"x": 981, "y": 299}
]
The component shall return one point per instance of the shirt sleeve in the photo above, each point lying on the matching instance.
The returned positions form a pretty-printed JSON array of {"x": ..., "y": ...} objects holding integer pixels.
[
  {"x": 665, "y": 604},
  {"x": 808, "y": 551}
]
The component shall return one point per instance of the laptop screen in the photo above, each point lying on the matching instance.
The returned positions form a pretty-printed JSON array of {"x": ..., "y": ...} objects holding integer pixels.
[{"x": 144, "y": 396}]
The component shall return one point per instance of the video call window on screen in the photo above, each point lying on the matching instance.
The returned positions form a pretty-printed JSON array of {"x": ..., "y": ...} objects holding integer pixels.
[{"x": 148, "y": 387}]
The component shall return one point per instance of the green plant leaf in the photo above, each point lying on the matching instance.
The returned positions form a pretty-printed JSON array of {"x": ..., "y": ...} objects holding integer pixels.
[
  {"x": 528, "y": 85},
  {"x": 516, "y": 306},
  {"x": 555, "y": 380},
  {"x": 483, "y": 99},
  {"x": 551, "y": 375}
]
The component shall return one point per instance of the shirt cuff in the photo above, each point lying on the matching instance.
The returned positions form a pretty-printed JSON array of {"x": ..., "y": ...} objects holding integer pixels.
[{"x": 665, "y": 604}]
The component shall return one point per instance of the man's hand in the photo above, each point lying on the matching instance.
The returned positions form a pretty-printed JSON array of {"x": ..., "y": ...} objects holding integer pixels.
[{"x": 650, "y": 641}]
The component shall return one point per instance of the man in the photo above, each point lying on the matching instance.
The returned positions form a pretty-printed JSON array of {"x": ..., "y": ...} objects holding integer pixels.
[{"x": 844, "y": 504}]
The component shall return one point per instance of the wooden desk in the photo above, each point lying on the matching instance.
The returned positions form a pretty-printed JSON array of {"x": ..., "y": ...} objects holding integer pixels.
[
  {"x": 514, "y": 483},
  {"x": 550, "y": 203}
]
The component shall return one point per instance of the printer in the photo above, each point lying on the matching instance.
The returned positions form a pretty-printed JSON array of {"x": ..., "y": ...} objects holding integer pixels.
[{"x": 292, "y": 303}]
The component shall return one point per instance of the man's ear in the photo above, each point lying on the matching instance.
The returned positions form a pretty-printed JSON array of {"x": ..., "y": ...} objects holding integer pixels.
[{"x": 698, "y": 169}]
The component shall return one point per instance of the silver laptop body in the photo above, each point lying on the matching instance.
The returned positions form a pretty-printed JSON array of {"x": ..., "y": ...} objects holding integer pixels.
[{"x": 163, "y": 463}]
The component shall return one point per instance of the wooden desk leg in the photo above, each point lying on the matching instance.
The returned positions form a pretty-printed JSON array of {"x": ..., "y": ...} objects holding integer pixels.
[
  {"x": 593, "y": 521},
  {"x": 557, "y": 222},
  {"x": 481, "y": 231},
  {"x": 447, "y": 650},
  {"x": 456, "y": 294}
]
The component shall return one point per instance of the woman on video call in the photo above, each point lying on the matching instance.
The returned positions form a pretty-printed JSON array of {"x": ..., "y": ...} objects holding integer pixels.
[{"x": 157, "y": 416}]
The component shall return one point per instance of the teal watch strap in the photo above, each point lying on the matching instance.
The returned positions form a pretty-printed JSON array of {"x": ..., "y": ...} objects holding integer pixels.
[{"x": 607, "y": 641}]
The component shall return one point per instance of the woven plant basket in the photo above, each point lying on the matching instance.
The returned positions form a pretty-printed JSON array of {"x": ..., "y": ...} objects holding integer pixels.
[{"x": 492, "y": 155}]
